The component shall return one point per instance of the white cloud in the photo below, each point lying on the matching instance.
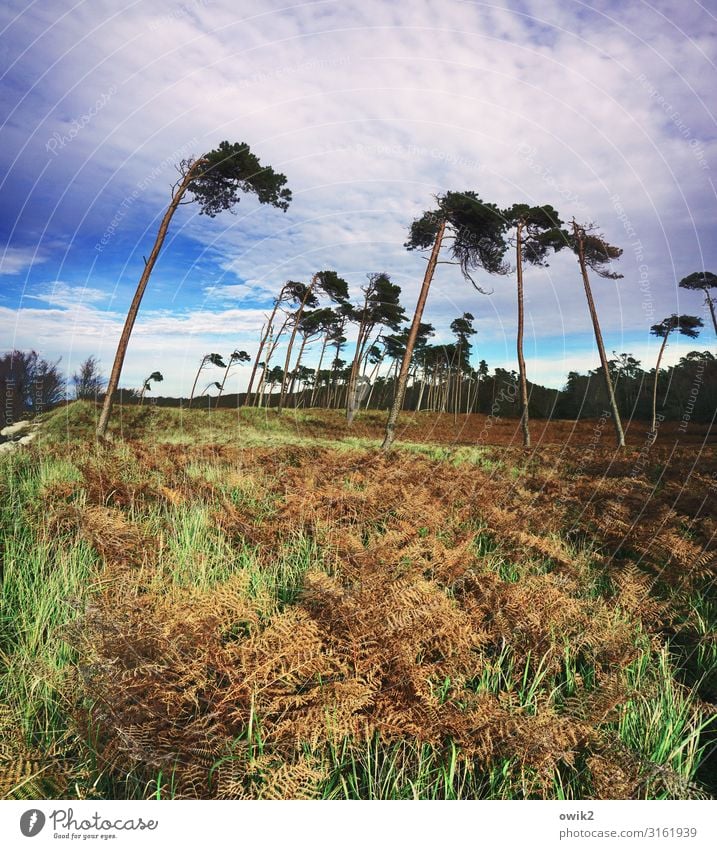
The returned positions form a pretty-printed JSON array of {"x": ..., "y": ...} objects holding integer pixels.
[
  {"x": 60, "y": 294},
  {"x": 14, "y": 261},
  {"x": 370, "y": 109}
]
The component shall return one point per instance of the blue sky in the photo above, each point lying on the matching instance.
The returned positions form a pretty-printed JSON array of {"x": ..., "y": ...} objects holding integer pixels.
[{"x": 603, "y": 109}]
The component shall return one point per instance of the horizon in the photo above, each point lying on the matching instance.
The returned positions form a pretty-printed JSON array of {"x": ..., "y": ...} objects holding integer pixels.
[{"x": 369, "y": 112}]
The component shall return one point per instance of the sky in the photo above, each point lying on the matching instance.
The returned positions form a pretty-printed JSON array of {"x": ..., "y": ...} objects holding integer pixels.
[{"x": 603, "y": 109}]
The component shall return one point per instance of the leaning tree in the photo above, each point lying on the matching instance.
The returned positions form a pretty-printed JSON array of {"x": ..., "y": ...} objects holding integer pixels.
[
  {"x": 703, "y": 281},
  {"x": 462, "y": 328},
  {"x": 312, "y": 325},
  {"x": 157, "y": 377},
  {"x": 687, "y": 325},
  {"x": 535, "y": 231},
  {"x": 476, "y": 232},
  {"x": 215, "y": 181},
  {"x": 330, "y": 284},
  {"x": 235, "y": 357},
  {"x": 207, "y": 360},
  {"x": 380, "y": 308},
  {"x": 595, "y": 253},
  {"x": 290, "y": 291}
]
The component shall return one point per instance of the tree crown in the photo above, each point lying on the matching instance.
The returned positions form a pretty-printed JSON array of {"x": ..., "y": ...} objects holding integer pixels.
[
  {"x": 227, "y": 172},
  {"x": 541, "y": 231},
  {"x": 699, "y": 280},
  {"x": 597, "y": 251},
  {"x": 688, "y": 325},
  {"x": 476, "y": 227}
]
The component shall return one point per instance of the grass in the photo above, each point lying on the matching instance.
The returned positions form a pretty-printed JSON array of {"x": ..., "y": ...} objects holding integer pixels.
[{"x": 257, "y": 544}]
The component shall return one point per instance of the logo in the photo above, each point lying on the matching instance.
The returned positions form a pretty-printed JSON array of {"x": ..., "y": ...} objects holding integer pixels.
[{"x": 32, "y": 822}]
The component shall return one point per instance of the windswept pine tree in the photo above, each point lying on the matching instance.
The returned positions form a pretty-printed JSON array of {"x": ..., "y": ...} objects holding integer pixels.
[
  {"x": 462, "y": 328},
  {"x": 215, "y": 181},
  {"x": 687, "y": 325},
  {"x": 207, "y": 360},
  {"x": 595, "y": 253},
  {"x": 703, "y": 281},
  {"x": 323, "y": 282},
  {"x": 311, "y": 326},
  {"x": 536, "y": 230},
  {"x": 380, "y": 308},
  {"x": 476, "y": 232},
  {"x": 290, "y": 292},
  {"x": 236, "y": 357},
  {"x": 157, "y": 377},
  {"x": 333, "y": 322}
]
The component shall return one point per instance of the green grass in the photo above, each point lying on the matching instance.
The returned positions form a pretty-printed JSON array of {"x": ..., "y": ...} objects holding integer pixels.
[
  {"x": 50, "y": 575},
  {"x": 46, "y": 579}
]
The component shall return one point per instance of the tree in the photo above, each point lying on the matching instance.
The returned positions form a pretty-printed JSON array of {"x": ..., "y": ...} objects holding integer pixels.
[
  {"x": 595, "y": 253},
  {"x": 336, "y": 288},
  {"x": 381, "y": 308},
  {"x": 462, "y": 328},
  {"x": 216, "y": 181},
  {"x": 234, "y": 357},
  {"x": 28, "y": 384},
  {"x": 290, "y": 291},
  {"x": 275, "y": 375},
  {"x": 88, "y": 380},
  {"x": 215, "y": 383},
  {"x": 703, "y": 281},
  {"x": 687, "y": 325},
  {"x": 207, "y": 360},
  {"x": 477, "y": 231},
  {"x": 157, "y": 377},
  {"x": 310, "y": 327},
  {"x": 537, "y": 231},
  {"x": 334, "y": 321}
]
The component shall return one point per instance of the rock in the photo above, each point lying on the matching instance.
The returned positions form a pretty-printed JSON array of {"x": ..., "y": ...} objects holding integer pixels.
[{"x": 11, "y": 430}]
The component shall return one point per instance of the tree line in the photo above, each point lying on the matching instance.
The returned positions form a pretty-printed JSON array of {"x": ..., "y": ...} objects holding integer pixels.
[{"x": 479, "y": 237}]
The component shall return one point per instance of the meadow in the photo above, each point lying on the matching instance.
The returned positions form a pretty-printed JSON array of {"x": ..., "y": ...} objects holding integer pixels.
[{"x": 258, "y": 605}]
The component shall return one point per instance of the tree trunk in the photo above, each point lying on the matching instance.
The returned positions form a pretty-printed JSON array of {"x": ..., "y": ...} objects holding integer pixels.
[
  {"x": 598, "y": 338},
  {"x": 297, "y": 319},
  {"x": 422, "y": 389},
  {"x": 194, "y": 386},
  {"x": 403, "y": 375},
  {"x": 372, "y": 380},
  {"x": 315, "y": 387},
  {"x": 262, "y": 342},
  {"x": 113, "y": 382},
  {"x": 224, "y": 379},
  {"x": 524, "y": 419},
  {"x": 141, "y": 396},
  {"x": 711, "y": 305},
  {"x": 653, "y": 432},
  {"x": 351, "y": 393},
  {"x": 296, "y": 366}
]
